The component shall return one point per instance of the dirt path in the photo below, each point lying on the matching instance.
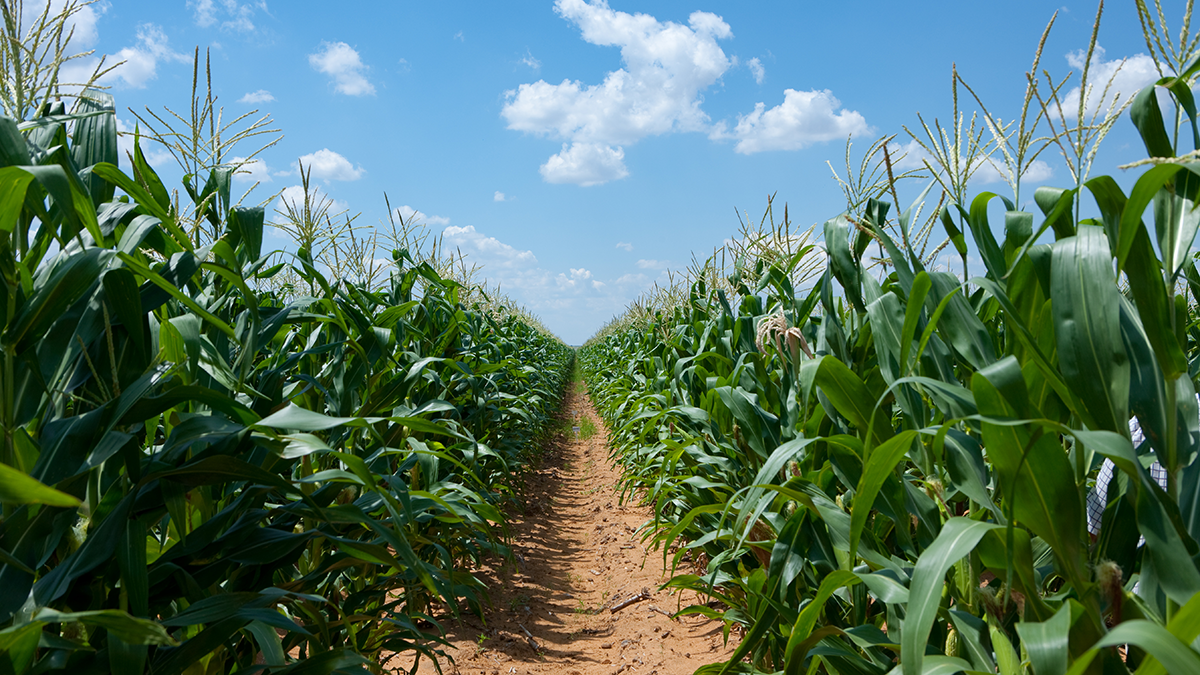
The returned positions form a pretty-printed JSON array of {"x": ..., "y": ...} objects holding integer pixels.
[{"x": 578, "y": 556}]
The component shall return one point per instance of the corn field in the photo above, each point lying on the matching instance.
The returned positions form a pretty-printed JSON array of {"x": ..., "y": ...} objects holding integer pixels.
[{"x": 219, "y": 458}]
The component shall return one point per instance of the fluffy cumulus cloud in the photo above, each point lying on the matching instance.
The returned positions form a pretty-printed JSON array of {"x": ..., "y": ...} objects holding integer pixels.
[
  {"x": 489, "y": 251},
  {"x": 409, "y": 214},
  {"x": 804, "y": 118},
  {"x": 251, "y": 171},
  {"x": 756, "y": 69},
  {"x": 228, "y": 14},
  {"x": 326, "y": 164},
  {"x": 499, "y": 197},
  {"x": 666, "y": 67},
  {"x": 141, "y": 60},
  {"x": 260, "y": 96},
  {"x": 81, "y": 24},
  {"x": 1123, "y": 78},
  {"x": 585, "y": 164},
  {"x": 342, "y": 63},
  {"x": 293, "y": 196}
]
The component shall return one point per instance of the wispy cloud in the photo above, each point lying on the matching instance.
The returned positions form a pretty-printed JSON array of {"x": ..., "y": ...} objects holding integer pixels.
[
  {"x": 260, "y": 96},
  {"x": 409, "y": 214},
  {"x": 499, "y": 197},
  {"x": 530, "y": 61},
  {"x": 343, "y": 64},
  {"x": 141, "y": 60},
  {"x": 625, "y": 245},
  {"x": 653, "y": 264},
  {"x": 229, "y": 14},
  {"x": 756, "y": 69}
]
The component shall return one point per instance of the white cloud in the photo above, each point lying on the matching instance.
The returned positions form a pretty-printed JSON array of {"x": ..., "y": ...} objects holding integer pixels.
[
  {"x": 251, "y": 171},
  {"x": 585, "y": 164},
  {"x": 653, "y": 264},
  {"x": 638, "y": 279},
  {"x": 580, "y": 273},
  {"x": 408, "y": 213},
  {"x": 260, "y": 96},
  {"x": 1128, "y": 77},
  {"x": 141, "y": 60},
  {"x": 756, "y": 69},
  {"x": 488, "y": 250},
  {"x": 598, "y": 284},
  {"x": 231, "y": 15},
  {"x": 499, "y": 197},
  {"x": 625, "y": 245},
  {"x": 912, "y": 156},
  {"x": 804, "y": 118},
  {"x": 341, "y": 62},
  {"x": 326, "y": 164},
  {"x": 82, "y": 22},
  {"x": 205, "y": 12},
  {"x": 459, "y": 36},
  {"x": 530, "y": 61},
  {"x": 294, "y": 195},
  {"x": 990, "y": 172},
  {"x": 666, "y": 66}
]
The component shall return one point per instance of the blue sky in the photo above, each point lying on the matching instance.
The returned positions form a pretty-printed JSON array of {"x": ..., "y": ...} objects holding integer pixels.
[{"x": 578, "y": 149}]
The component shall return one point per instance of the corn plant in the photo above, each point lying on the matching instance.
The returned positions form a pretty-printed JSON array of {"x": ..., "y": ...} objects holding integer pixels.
[
  {"x": 892, "y": 473},
  {"x": 199, "y": 476}
]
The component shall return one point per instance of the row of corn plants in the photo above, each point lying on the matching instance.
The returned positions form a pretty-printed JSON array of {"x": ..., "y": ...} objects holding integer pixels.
[
  {"x": 205, "y": 472},
  {"x": 890, "y": 471}
]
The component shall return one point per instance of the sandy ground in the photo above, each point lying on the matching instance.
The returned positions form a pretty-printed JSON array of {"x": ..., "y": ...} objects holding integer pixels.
[{"x": 578, "y": 554}]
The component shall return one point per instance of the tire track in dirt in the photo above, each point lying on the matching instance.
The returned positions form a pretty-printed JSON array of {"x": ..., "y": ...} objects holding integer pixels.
[{"x": 578, "y": 555}]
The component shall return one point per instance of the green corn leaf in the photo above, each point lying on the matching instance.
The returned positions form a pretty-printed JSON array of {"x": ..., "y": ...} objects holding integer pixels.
[
  {"x": 1147, "y": 117},
  {"x": 958, "y": 323},
  {"x": 981, "y": 230},
  {"x": 1047, "y": 642},
  {"x": 850, "y": 397},
  {"x": 1035, "y": 477},
  {"x": 880, "y": 464},
  {"x": 1087, "y": 323},
  {"x": 18, "y": 646},
  {"x": 957, "y": 538},
  {"x": 1177, "y": 657},
  {"x": 841, "y": 259},
  {"x": 57, "y": 289},
  {"x": 796, "y": 651},
  {"x": 19, "y": 488},
  {"x": 95, "y": 141},
  {"x": 157, "y": 279},
  {"x": 912, "y": 314},
  {"x": 14, "y": 181}
]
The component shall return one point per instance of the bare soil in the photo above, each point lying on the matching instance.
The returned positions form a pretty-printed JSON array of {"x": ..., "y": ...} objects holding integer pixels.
[{"x": 578, "y": 554}]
